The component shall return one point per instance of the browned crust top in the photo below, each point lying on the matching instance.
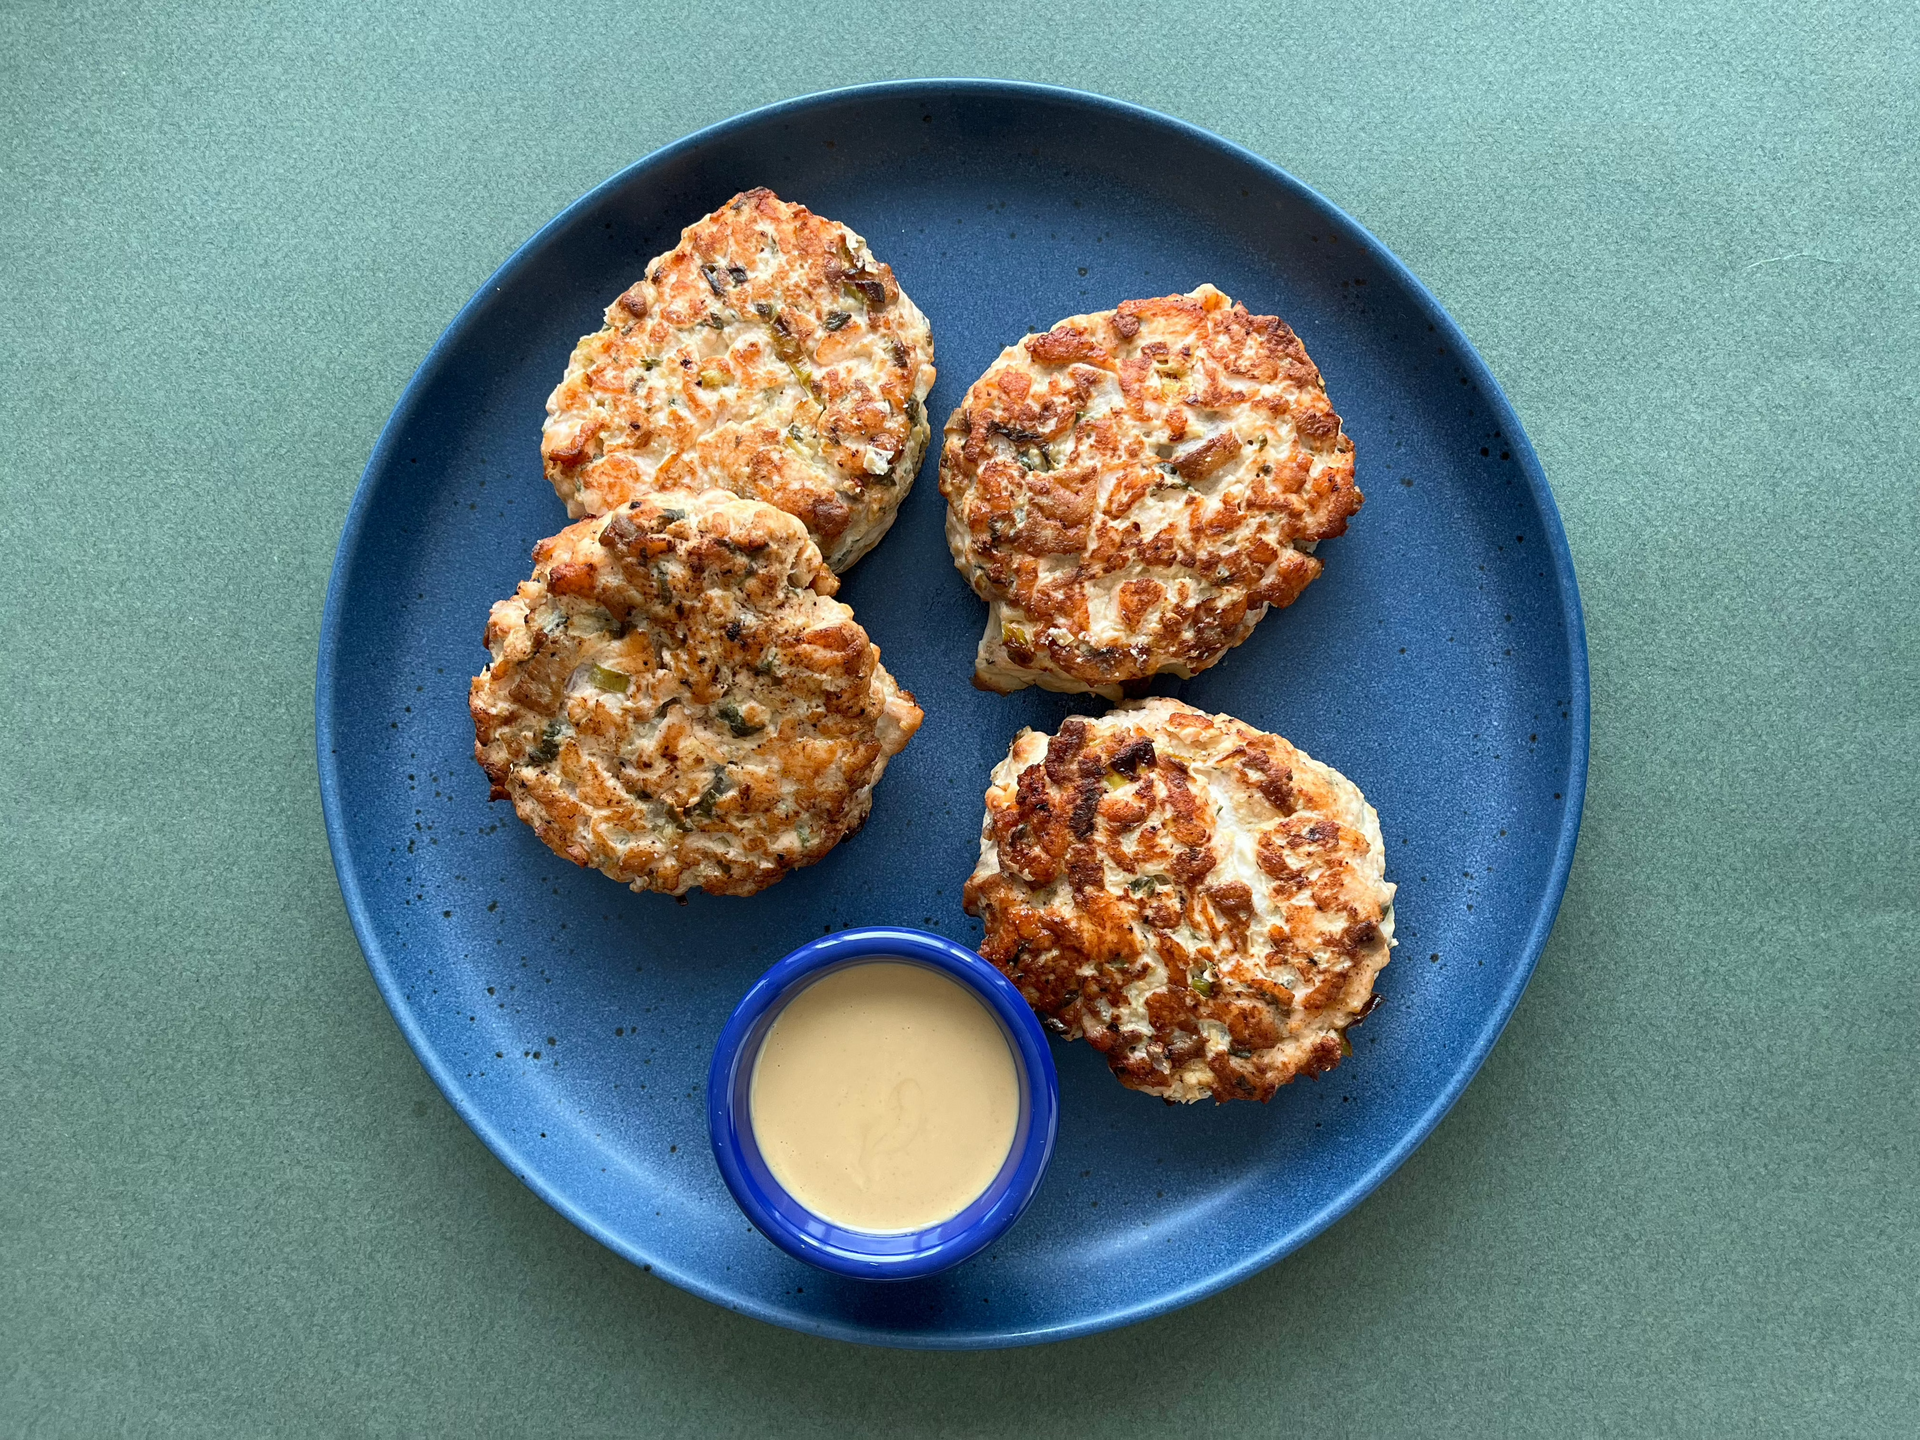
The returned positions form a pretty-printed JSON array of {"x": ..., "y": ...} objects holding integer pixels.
[
  {"x": 768, "y": 353},
  {"x": 1201, "y": 901},
  {"x": 1136, "y": 487},
  {"x": 674, "y": 700}
]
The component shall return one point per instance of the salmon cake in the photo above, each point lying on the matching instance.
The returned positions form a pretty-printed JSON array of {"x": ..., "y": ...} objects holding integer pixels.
[
  {"x": 768, "y": 353},
  {"x": 1132, "y": 490},
  {"x": 1203, "y": 903},
  {"x": 676, "y": 700}
]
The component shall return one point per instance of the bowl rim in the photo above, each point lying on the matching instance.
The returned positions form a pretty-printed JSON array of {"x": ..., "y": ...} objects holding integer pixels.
[{"x": 899, "y": 1255}]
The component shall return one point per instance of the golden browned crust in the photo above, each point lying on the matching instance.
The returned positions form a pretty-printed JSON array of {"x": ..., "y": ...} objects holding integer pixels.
[
  {"x": 767, "y": 353},
  {"x": 1132, "y": 490},
  {"x": 675, "y": 701},
  {"x": 1203, "y": 902}
]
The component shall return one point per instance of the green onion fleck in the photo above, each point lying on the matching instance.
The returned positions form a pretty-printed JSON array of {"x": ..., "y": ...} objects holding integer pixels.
[
  {"x": 715, "y": 789},
  {"x": 614, "y": 680},
  {"x": 549, "y": 745}
]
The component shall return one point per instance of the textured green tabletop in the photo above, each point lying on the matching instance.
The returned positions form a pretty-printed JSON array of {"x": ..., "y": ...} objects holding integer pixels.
[{"x": 1681, "y": 1196}]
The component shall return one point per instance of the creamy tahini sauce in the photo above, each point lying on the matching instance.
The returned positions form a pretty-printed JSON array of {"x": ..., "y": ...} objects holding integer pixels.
[{"x": 885, "y": 1097}]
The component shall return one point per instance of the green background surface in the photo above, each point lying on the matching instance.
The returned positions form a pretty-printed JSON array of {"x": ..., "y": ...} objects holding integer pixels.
[{"x": 1681, "y": 1196}]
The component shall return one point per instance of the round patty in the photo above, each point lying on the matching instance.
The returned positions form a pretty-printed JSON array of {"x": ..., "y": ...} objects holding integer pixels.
[
  {"x": 675, "y": 701},
  {"x": 1130, "y": 491},
  {"x": 767, "y": 353},
  {"x": 1203, "y": 902}
]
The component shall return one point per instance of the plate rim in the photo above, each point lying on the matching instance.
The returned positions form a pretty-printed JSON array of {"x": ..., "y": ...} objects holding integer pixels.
[{"x": 1475, "y": 1054}]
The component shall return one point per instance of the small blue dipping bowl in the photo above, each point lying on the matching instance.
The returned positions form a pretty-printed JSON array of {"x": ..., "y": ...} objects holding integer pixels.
[{"x": 800, "y": 1232}]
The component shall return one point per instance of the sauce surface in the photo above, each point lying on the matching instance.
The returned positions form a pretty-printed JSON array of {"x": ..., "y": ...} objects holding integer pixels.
[{"x": 885, "y": 1097}]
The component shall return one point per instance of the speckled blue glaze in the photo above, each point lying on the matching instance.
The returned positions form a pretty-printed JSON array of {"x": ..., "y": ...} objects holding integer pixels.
[
  {"x": 1440, "y": 663},
  {"x": 790, "y": 1225}
]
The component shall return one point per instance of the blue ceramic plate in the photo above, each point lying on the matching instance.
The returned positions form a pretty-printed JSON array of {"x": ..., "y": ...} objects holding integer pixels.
[{"x": 1439, "y": 662}]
